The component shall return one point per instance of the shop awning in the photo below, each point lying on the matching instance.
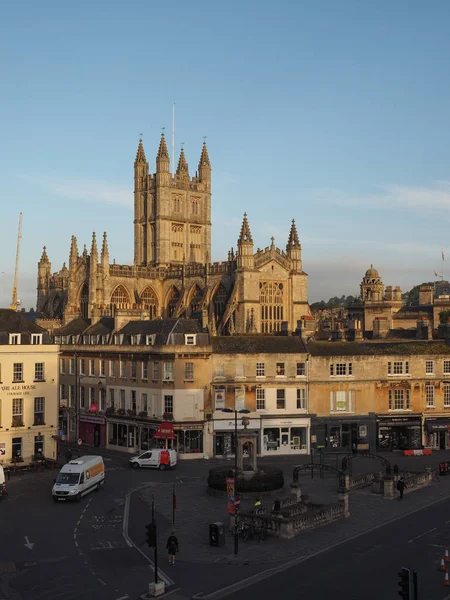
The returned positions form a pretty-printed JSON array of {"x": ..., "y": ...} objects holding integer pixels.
[
  {"x": 437, "y": 424},
  {"x": 165, "y": 432}
]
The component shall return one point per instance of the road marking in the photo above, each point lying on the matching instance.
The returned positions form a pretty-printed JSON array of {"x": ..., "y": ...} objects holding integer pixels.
[
  {"x": 28, "y": 544},
  {"x": 172, "y": 592},
  {"x": 421, "y": 535},
  {"x": 436, "y": 546},
  {"x": 446, "y": 522},
  {"x": 130, "y": 542},
  {"x": 76, "y": 544},
  {"x": 102, "y": 582},
  {"x": 123, "y": 597}
]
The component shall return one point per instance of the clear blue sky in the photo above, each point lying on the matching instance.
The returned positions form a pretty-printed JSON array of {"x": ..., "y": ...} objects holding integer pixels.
[{"x": 334, "y": 113}]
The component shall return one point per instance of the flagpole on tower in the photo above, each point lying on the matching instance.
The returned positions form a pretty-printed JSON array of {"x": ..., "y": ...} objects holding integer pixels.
[{"x": 173, "y": 139}]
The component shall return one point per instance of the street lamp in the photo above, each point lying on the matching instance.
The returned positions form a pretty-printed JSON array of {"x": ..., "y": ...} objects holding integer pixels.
[{"x": 244, "y": 411}]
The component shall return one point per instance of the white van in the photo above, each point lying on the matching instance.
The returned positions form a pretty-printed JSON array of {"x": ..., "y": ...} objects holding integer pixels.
[
  {"x": 79, "y": 477},
  {"x": 155, "y": 458},
  {"x": 2, "y": 482}
]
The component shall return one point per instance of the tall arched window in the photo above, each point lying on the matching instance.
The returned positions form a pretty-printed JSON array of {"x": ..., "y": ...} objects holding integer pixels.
[
  {"x": 271, "y": 299},
  {"x": 149, "y": 301},
  {"x": 120, "y": 296},
  {"x": 220, "y": 302},
  {"x": 84, "y": 301},
  {"x": 196, "y": 300},
  {"x": 173, "y": 297}
]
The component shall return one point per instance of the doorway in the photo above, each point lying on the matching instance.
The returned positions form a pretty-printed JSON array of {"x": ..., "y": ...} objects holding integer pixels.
[{"x": 442, "y": 440}]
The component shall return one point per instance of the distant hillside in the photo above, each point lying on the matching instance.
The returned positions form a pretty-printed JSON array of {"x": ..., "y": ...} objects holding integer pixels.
[{"x": 332, "y": 303}]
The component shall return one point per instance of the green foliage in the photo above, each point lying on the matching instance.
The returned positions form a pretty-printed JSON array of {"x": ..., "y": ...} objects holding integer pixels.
[
  {"x": 334, "y": 302},
  {"x": 411, "y": 298},
  {"x": 444, "y": 316}
]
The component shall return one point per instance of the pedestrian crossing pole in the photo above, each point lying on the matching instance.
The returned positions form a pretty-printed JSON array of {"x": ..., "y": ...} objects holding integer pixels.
[
  {"x": 174, "y": 504},
  {"x": 155, "y": 547}
]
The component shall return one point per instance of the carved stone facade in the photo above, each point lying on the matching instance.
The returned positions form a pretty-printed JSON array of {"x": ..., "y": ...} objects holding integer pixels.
[{"x": 172, "y": 275}]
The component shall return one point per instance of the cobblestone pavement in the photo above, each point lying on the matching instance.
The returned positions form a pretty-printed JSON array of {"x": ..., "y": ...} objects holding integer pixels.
[{"x": 196, "y": 509}]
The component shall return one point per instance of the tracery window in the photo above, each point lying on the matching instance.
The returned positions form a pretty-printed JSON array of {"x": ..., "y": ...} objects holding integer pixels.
[
  {"x": 150, "y": 302},
  {"x": 174, "y": 296},
  {"x": 220, "y": 302},
  {"x": 84, "y": 301},
  {"x": 196, "y": 300},
  {"x": 271, "y": 300},
  {"x": 120, "y": 296}
]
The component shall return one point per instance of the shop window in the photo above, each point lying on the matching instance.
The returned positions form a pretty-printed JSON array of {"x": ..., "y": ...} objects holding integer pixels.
[
  {"x": 39, "y": 372},
  {"x": 301, "y": 399},
  {"x": 342, "y": 401},
  {"x": 123, "y": 368},
  {"x": 168, "y": 371},
  {"x": 83, "y": 397},
  {"x": 429, "y": 395},
  {"x": 398, "y": 367},
  {"x": 112, "y": 398},
  {"x": 82, "y": 366},
  {"x": 16, "y": 447},
  {"x": 155, "y": 374},
  {"x": 102, "y": 368},
  {"x": 280, "y": 369},
  {"x": 447, "y": 396},
  {"x": 112, "y": 368},
  {"x": 429, "y": 367},
  {"x": 399, "y": 399},
  {"x": 298, "y": 438},
  {"x": 39, "y": 410},
  {"x": 260, "y": 369},
  {"x": 189, "y": 371},
  {"x": 271, "y": 438},
  {"x": 446, "y": 367},
  {"x": 17, "y": 412},
  {"x": 133, "y": 400},
  {"x": 281, "y": 399},
  {"x": 122, "y": 399},
  {"x": 301, "y": 369},
  {"x": 260, "y": 399},
  {"x": 144, "y": 370},
  {"x": 133, "y": 369},
  {"x": 118, "y": 434},
  {"x": 190, "y": 441},
  {"x": 168, "y": 405},
  {"x": 17, "y": 372}
]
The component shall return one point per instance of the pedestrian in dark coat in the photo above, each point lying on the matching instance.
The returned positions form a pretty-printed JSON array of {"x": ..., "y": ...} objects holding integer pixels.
[
  {"x": 401, "y": 486},
  {"x": 68, "y": 455},
  {"x": 172, "y": 547}
]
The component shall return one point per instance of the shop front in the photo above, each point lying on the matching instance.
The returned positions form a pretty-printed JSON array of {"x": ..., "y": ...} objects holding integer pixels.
[
  {"x": 92, "y": 430},
  {"x": 189, "y": 440},
  {"x": 224, "y": 444},
  {"x": 437, "y": 433},
  {"x": 285, "y": 436},
  {"x": 132, "y": 435},
  {"x": 399, "y": 433},
  {"x": 355, "y": 434}
]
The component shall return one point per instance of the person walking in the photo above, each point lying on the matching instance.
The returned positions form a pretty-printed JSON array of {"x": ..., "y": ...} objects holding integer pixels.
[
  {"x": 257, "y": 506},
  {"x": 401, "y": 486},
  {"x": 68, "y": 455},
  {"x": 172, "y": 547}
]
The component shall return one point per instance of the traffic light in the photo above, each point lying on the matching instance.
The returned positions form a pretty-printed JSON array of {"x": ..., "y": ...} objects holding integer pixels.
[
  {"x": 404, "y": 583},
  {"x": 151, "y": 535}
]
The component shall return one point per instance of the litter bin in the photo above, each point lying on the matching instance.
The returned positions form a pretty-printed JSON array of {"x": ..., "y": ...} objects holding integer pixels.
[
  {"x": 443, "y": 468},
  {"x": 216, "y": 534}
]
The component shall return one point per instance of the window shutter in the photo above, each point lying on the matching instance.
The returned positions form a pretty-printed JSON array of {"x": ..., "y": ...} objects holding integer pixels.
[
  {"x": 389, "y": 370},
  {"x": 331, "y": 401}
]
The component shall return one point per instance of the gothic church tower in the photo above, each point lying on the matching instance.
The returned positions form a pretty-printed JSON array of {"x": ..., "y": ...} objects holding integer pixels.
[{"x": 172, "y": 215}]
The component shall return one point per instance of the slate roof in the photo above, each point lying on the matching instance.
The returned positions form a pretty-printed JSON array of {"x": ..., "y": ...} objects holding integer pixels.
[
  {"x": 12, "y": 321},
  {"x": 416, "y": 347},
  {"x": 75, "y": 327},
  {"x": 414, "y": 312},
  {"x": 167, "y": 331},
  {"x": 102, "y": 327},
  {"x": 255, "y": 344}
]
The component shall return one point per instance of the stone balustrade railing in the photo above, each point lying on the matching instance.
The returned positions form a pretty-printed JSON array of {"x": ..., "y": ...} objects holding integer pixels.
[{"x": 359, "y": 481}]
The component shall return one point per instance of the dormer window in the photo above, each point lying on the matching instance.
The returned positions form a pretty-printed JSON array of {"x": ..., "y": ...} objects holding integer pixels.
[
  {"x": 190, "y": 339},
  {"x": 135, "y": 340},
  {"x": 36, "y": 338},
  {"x": 93, "y": 339},
  {"x": 150, "y": 339},
  {"x": 14, "y": 338}
]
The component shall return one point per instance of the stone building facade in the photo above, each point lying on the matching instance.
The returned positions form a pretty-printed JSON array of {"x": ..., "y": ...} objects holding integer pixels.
[{"x": 172, "y": 275}]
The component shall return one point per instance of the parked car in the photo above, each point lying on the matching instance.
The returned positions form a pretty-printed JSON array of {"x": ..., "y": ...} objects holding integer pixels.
[{"x": 156, "y": 459}]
